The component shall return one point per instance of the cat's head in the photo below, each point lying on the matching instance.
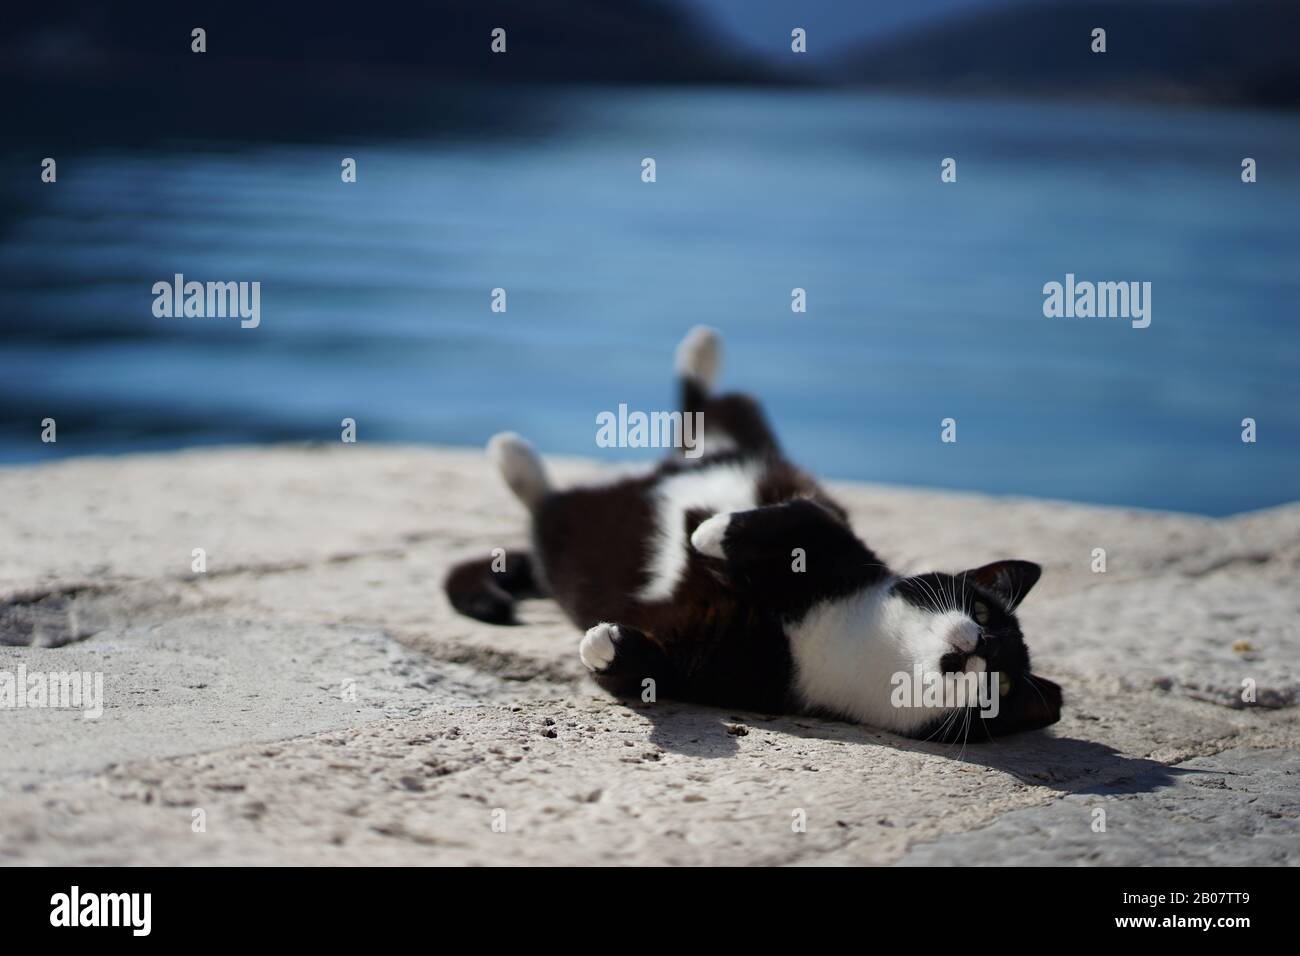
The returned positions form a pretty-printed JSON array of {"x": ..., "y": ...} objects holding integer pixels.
[{"x": 960, "y": 630}]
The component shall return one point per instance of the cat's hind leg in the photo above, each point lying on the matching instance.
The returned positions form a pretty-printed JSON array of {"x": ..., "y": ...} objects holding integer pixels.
[
  {"x": 521, "y": 467},
  {"x": 622, "y": 659},
  {"x": 486, "y": 589},
  {"x": 698, "y": 356},
  {"x": 727, "y": 423}
]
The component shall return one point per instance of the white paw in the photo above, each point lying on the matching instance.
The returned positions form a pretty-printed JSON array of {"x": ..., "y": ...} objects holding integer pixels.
[
  {"x": 698, "y": 355},
  {"x": 707, "y": 538},
  {"x": 597, "y": 647}
]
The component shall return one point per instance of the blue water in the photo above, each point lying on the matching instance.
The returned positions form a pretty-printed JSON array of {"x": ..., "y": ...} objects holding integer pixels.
[{"x": 924, "y": 299}]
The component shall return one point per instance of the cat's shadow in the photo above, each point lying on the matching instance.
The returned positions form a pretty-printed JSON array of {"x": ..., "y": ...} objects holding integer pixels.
[{"x": 1038, "y": 758}]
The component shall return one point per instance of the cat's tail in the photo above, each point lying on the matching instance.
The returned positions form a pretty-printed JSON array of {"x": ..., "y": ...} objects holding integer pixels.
[
  {"x": 735, "y": 421},
  {"x": 521, "y": 467}
]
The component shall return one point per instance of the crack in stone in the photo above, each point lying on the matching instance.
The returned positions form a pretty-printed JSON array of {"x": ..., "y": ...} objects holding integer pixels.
[
  {"x": 51, "y": 619},
  {"x": 57, "y": 616},
  {"x": 1253, "y": 560}
]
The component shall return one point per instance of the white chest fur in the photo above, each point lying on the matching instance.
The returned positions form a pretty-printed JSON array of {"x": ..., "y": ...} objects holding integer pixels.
[
  {"x": 712, "y": 488},
  {"x": 847, "y": 653}
]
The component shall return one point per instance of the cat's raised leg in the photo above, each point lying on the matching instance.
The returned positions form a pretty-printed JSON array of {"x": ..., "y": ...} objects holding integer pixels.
[
  {"x": 622, "y": 659},
  {"x": 790, "y": 555},
  {"x": 732, "y": 422},
  {"x": 521, "y": 467},
  {"x": 487, "y": 588}
]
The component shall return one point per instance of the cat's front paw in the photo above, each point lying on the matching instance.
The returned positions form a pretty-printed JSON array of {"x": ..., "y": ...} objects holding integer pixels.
[
  {"x": 597, "y": 648},
  {"x": 707, "y": 538}
]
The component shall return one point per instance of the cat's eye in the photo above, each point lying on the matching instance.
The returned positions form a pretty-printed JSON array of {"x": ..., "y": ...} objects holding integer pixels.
[
  {"x": 1004, "y": 684},
  {"x": 981, "y": 614}
]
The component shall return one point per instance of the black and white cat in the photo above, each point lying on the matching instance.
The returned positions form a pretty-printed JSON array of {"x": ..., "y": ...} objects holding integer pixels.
[{"x": 733, "y": 579}]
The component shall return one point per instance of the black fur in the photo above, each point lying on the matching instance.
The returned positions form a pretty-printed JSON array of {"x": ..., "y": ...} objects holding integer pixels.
[
  {"x": 477, "y": 591},
  {"x": 721, "y": 638}
]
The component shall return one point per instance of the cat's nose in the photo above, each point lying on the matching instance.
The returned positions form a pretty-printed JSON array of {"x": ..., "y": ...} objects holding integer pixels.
[{"x": 964, "y": 637}]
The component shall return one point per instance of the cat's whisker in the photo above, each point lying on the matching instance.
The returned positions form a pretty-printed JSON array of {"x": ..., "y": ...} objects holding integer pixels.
[
  {"x": 933, "y": 593},
  {"x": 943, "y": 726},
  {"x": 964, "y": 715},
  {"x": 951, "y": 724},
  {"x": 1015, "y": 597},
  {"x": 1033, "y": 683}
]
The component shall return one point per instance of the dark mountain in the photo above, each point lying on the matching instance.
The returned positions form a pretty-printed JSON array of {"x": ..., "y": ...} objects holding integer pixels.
[
  {"x": 1240, "y": 52},
  {"x": 125, "y": 73},
  {"x": 556, "y": 40}
]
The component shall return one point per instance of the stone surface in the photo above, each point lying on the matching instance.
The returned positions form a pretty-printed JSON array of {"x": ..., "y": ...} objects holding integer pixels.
[
  {"x": 1240, "y": 807},
  {"x": 225, "y": 691}
]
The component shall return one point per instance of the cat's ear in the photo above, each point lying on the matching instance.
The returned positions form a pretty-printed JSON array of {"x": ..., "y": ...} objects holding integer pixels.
[
  {"x": 1039, "y": 703},
  {"x": 1010, "y": 581}
]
